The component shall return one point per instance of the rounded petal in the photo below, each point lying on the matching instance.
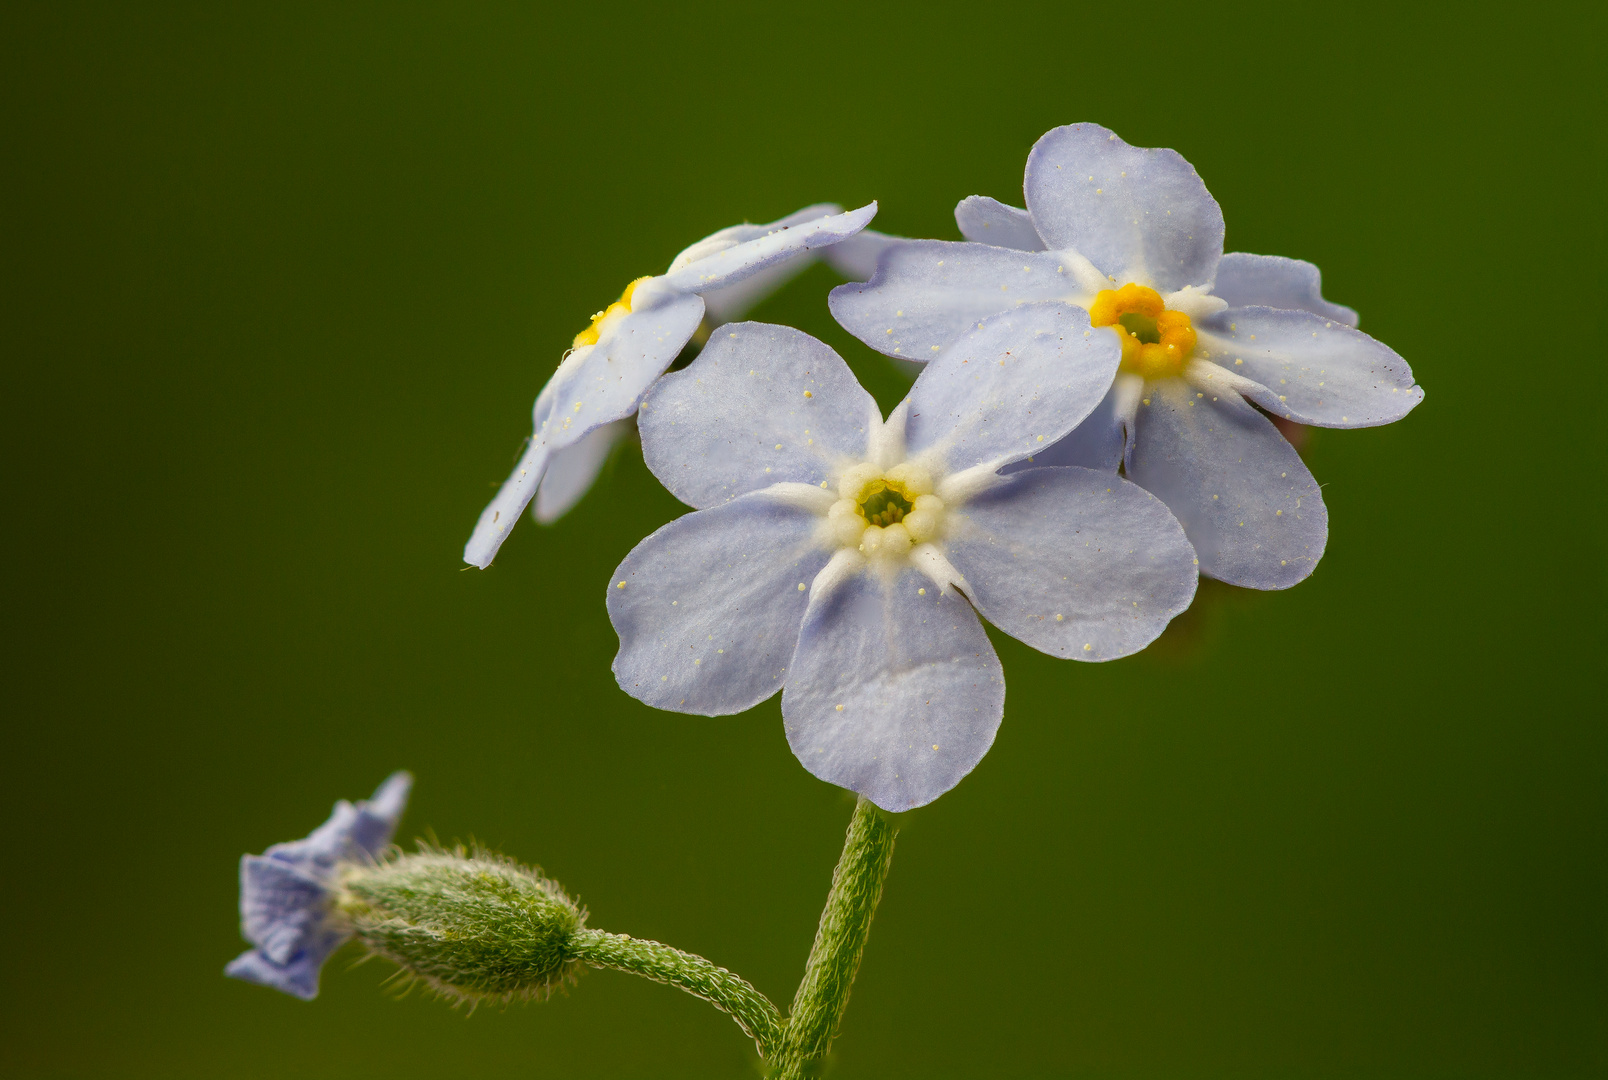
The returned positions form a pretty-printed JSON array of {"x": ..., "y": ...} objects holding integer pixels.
[
  {"x": 1243, "y": 495},
  {"x": 1096, "y": 443},
  {"x": 1074, "y": 562},
  {"x": 988, "y": 221},
  {"x": 761, "y": 405},
  {"x": 926, "y": 293},
  {"x": 731, "y": 264},
  {"x": 708, "y": 607},
  {"x": 1311, "y": 369},
  {"x": 1017, "y": 385},
  {"x": 572, "y": 470},
  {"x": 1274, "y": 281},
  {"x": 895, "y": 691},
  {"x": 1138, "y": 215},
  {"x": 594, "y": 385}
]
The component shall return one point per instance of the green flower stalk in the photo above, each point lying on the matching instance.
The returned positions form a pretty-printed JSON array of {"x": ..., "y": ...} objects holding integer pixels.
[{"x": 475, "y": 926}]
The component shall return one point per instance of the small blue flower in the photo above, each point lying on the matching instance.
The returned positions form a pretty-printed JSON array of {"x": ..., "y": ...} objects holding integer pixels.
[
  {"x": 1133, "y": 236},
  {"x": 844, "y": 559},
  {"x": 630, "y": 343},
  {"x": 286, "y": 892}
]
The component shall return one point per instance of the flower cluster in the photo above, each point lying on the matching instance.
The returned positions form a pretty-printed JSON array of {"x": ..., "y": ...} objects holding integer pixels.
[{"x": 1092, "y": 429}]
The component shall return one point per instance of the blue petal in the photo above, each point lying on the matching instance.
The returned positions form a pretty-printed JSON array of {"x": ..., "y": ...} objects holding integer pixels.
[
  {"x": 1076, "y": 563},
  {"x": 1097, "y": 443},
  {"x": 988, "y": 221},
  {"x": 734, "y": 301},
  {"x": 724, "y": 268},
  {"x": 1246, "y": 501},
  {"x": 1311, "y": 369},
  {"x": 298, "y": 977},
  {"x": 1274, "y": 281},
  {"x": 572, "y": 470},
  {"x": 926, "y": 293},
  {"x": 708, "y": 607},
  {"x": 737, "y": 419},
  {"x": 856, "y": 258},
  {"x": 1137, "y": 214},
  {"x": 893, "y": 693},
  {"x": 1016, "y": 386},
  {"x": 281, "y": 904},
  {"x": 595, "y": 385}
]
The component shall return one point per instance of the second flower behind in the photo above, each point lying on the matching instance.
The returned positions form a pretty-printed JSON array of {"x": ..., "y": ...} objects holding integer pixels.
[{"x": 844, "y": 559}]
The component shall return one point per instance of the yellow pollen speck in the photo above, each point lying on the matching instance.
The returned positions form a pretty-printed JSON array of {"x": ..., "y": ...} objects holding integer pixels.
[
  {"x": 1283, "y": 474},
  {"x": 801, "y": 586},
  {"x": 840, "y": 708},
  {"x": 778, "y": 446},
  {"x": 695, "y": 663},
  {"x": 808, "y": 394},
  {"x": 720, "y": 650},
  {"x": 1060, "y": 618},
  {"x": 1088, "y": 648},
  {"x": 921, "y": 592},
  {"x": 1278, "y": 513},
  {"x": 1041, "y": 438},
  {"x": 1284, "y": 562},
  {"x": 621, "y": 585},
  {"x": 935, "y": 746},
  {"x": 935, "y": 348},
  {"x": 1147, "y": 401}
]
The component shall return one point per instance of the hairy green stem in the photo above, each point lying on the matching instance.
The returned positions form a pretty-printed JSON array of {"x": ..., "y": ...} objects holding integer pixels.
[
  {"x": 839, "y": 942},
  {"x": 727, "y": 992}
]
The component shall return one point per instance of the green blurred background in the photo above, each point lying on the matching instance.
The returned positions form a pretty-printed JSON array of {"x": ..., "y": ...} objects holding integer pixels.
[{"x": 280, "y": 285}]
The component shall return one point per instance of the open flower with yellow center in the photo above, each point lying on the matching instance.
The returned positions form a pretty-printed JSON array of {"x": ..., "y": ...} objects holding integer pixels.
[
  {"x": 580, "y": 414},
  {"x": 844, "y": 559},
  {"x": 1133, "y": 236}
]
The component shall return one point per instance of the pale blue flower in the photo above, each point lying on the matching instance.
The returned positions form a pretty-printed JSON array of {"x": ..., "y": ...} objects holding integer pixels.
[
  {"x": 1133, "y": 236},
  {"x": 631, "y": 342},
  {"x": 286, "y": 892},
  {"x": 844, "y": 559}
]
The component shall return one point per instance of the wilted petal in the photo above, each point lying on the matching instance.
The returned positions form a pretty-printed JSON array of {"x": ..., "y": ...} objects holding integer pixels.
[
  {"x": 761, "y": 405},
  {"x": 895, "y": 691},
  {"x": 1016, "y": 386},
  {"x": 708, "y": 607},
  {"x": 988, "y": 221},
  {"x": 926, "y": 293},
  {"x": 279, "y": 904},
  {"x": 297, "y": 977},
  {"x": 1076, "y": 563},
  {"x": 1246, "y": 501},
  {"x": 1137, "y": 214},
  {"x": 731, "y": 265},
  {"x": 1315, "y": 370},
  {"x": 1274, "y": 281},
  {"x": 573, "y": 470}
]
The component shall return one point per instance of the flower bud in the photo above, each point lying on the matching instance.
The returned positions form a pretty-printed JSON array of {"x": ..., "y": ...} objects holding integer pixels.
[{"x": 472, "y": 927}]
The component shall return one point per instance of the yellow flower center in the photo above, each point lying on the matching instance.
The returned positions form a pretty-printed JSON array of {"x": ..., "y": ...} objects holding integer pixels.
[
  {"x": 1155, "y": 342},
  {"x": 886, "y": 513},
  {"x": 622, "y": 306}
]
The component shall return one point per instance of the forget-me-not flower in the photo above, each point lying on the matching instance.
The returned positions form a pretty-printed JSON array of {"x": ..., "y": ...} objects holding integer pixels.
[
  {"x": 845, "y": 559},
  {"x": 286, "y": 893},
  {"x": 630, "y": 343},
  {"x": 1132, "y": 236}
]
